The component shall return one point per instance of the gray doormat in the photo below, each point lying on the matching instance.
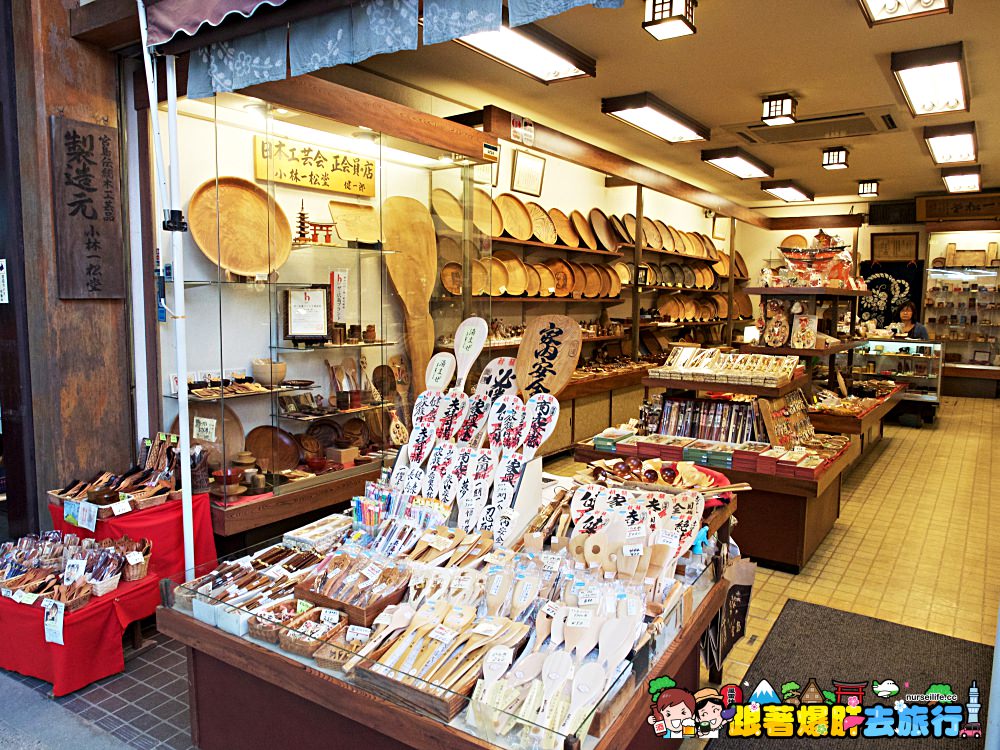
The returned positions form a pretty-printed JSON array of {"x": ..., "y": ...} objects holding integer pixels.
[{"x": 810, "y": 642}]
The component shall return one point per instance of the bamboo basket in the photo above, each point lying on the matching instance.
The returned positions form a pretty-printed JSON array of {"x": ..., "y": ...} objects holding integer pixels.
[
  {"x": 268, "y": 630},
  {"x": 141, "y": 503},
  {"x": 290, "y": 640},
  {"x": 137, "y": 571},
  {"x": 105, "y": 587},
  {"x": 185, "y": 593}
]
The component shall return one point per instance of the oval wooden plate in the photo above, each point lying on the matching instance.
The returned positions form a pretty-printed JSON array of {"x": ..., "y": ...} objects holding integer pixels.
[
  {"x": 562, "y": 276},
  {"x": 449, "y": 250},
  {"x": 796, "y": 241},
  {"x": 690, "y": 312},
  {"x": 620, "y": 229},
  {"x": 564, "y": 228},
  {"x": 534, "y": 280},
  {"x": 721, "y": 266},
  {"x": 607, "y": 277},
  {"x": 451, "y": 277},
  {"x": 630, "y": 226},
  {"x": 497, "y": 277},
  {"x": 623, "y": 271},
  {"x": 651, "y": 234},
  {"x": 666, "y": 242},
  {"x": 255, "y": 236},
  {"x": 448, "y": 209},
  {"x": 582, "y": 227},
  {"x": 688, "y": 245},
  {"x": 480, "y": 278},
  {"x": 690, "y": 280},
  {"x": 516, "y": 219},
  {"x": 517, "y": 276},
  {"x": 274, "y": 449},
  {"x": 228, "y": 436},
  {"x": 741, "y": 266},
  {"x": 579, "y": 278},
  {"x": 721, "y": 305},
  {"x": 616, "y": 281},
  {"x": 742, "y": 303},
  {"x": 676, "y": 241},
  {"x": 358, "y": 222},
  {"x": 713, "y": 251},
  {"x": 602, "y": 229},
  {"x": 485, "y": 214},
  {"x": 547, "y": 282},
  {"x": 592, "y": 280},
  {"x": 541, "y": 225},
  {"x": 667, "y": 274}
]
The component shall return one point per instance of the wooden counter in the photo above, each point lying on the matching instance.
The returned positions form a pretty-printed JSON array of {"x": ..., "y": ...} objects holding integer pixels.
[
  {"x": 241, "y": 692},
  {"x": 783, "y": 519},
  {"x": 849, "y": 425}
]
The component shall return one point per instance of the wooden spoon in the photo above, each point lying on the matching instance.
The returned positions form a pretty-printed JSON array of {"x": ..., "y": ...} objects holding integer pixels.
[{"x": 401, "y": 618}]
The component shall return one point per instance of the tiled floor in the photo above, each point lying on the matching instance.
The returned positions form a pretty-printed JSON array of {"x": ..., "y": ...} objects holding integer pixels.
[{"x": 144, "y": 708}]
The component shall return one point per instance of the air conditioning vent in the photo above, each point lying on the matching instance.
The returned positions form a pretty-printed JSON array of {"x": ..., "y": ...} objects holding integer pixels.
[
  {"x": 886, "y": 213},
  {"x": 821, "y": 128}
]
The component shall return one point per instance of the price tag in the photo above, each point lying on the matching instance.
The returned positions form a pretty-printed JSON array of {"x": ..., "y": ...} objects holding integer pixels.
[
  {"x": 17, "y": 596},
  {"x": 74, "y": 569},
  {"x": 444, "y": 634},
  {"x": 500, "y": 655},
  {"x": 496, "y": 583},
  {"x": 494, "y": 558},
  {"x": 439, "y": 542},
  {"x": 134, "y": 557},
  {"x": 329, "y": 617},
  {"x": 636, "y": 532},
  {"x": 487, "y": 628},
  {"x": 357, "y": 633},
  {"x": 669, "y": 536},
  {"x": 579, "y": 618},
  {"x": 6, "y": 593},
  {"x": 798, "y": 449},
  {"x": 587, "y": 597},
  {"x": 302, "y": 606},
  {"x": 372, "y": 571},
  {"x": 203, "y": 429},
  {"x": 551, "y": 562},
  {"x": 551, "y": 609},
  {"x": 632, "y": 550},
  {"x": 123, "y": 506}
]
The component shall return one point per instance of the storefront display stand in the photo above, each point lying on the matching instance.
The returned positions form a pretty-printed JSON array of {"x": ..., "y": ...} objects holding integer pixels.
[
  {"x": 869, "y": 425},
  {"x": 783, "y": 519},
  {"x": 973, "y": 380},
  {"x": 801, "y": 381},
  {"x": 270, "y": 694},
  {"x": 784, "y": 350},
  {"x": 590, "y": 385}
]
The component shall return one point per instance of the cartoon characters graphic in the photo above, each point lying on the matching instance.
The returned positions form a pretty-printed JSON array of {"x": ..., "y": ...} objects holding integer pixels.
[
  {"x": 672, "y": 711},
  {"x": 885, "y": 689},
  {"x": 711, "y": 712}
]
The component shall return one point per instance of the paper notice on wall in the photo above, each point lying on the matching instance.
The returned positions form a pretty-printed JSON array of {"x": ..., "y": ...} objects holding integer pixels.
[
  {"x": 4, "y": 297},
  {"x": 204, "y": 429},
  {"x": 54, "y": 613},
  {"x": 338, "y": 295},
  {"x": 87, "y": 516}
]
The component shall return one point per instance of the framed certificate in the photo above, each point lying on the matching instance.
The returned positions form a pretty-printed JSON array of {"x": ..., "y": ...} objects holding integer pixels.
[
  {"x": 306, "y": 314},
  {"x": 527, "y": 173}
]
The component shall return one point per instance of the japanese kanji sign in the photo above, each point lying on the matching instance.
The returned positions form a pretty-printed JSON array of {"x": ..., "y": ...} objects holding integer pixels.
[
  {"x": 87, "y": 207},
  {"x": 307, "y": 165}
]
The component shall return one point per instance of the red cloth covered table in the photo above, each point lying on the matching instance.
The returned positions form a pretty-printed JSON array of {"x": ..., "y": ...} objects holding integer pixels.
[
  {"x": 92, "y": 636},
  {"x": 162, "y": 526}
]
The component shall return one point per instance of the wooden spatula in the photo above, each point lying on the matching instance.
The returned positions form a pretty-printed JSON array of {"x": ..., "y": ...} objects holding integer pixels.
[
  {"x": 440, "y": 371},
  {"x": 400, "y": 620},
  {"x": 408, "y": 231}
]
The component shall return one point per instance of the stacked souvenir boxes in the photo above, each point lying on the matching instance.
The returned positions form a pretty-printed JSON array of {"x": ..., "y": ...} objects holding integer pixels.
[
  {"x": 709, "y": 453},
  {"x": 608, "y": 440},
  {"x": 711, "y": 366},
  {"x": 746, "y": 455}
]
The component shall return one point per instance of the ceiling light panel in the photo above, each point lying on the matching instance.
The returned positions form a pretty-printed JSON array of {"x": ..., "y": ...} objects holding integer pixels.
[
  {"x": 737, "y": 162},
  {"x": 962, "y": 179},
  {"x": 868, "y": 188},
  {"x": 787, "y": 190},
  {"x": 668, "y": 19},
  {"x": 952, "y": 144},
  {"x": 655, "y": 117},
  {"x": 933, "y": 80},
  {"x": 885, "y": 11},
  {"x": 779, "y": 109},
  {"x": 835, "y": 157},
  {"x": 532, "y": 51}
]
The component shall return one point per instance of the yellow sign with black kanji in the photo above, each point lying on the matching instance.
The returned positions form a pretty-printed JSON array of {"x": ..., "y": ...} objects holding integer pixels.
[{"x": 310, "y": 166}]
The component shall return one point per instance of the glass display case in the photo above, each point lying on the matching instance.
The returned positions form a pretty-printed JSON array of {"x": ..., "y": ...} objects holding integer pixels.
[
  {"x": 916, "y": 363},
  {"x": 310, "y": 262},
  {"x": 961, "y": 300}
]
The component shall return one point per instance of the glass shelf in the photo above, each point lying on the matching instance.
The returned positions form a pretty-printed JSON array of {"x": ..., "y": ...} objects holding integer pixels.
[
  {"x": 334, "y": 347},
  {"x": 338, "y": 413}
]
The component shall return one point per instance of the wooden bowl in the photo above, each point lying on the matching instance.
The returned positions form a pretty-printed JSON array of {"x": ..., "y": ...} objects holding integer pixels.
[
  {"x": 451, "y": 278},
  {"x": 547, "y": 282},
  {"x": 267, "y": 372}
]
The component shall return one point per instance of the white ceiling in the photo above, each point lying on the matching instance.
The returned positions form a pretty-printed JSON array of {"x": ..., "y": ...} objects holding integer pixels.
[{"x": 822, "y": 50}]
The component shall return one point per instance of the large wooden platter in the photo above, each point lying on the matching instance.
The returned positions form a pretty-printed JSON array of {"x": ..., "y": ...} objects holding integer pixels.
[
  {"x": 601, "y": 225},
  {"x": 541, "y": 224},
  {"x": 517, "y": 276},
  {"x": 516, "y": 219},
  {"x": 547, "y": 281},
  {"x": 274, "y": 449},
  {"x": 355, "y": 222},
  {"x": 485, "y": 214},
  {"x": 651, "y": 235},
  {"x": 564, "y": 228},
  {"x": 448, "y": 209},
  {"x": 228, "y": 435},
  {"x": 582, "y": 227},
  {"x": 255, "y": 236}
]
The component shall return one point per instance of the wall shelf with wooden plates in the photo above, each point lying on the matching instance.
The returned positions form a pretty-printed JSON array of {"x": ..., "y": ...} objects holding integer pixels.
[
  {"x": 328, "y": 347},
  {"x": 228, "y": 396},
  {"x": 535, "y": 245},
  {"x": 534, "y": 300},
  {"x": 338, "y": 413}
]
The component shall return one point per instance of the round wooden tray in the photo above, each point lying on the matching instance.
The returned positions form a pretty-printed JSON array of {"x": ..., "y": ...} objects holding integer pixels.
[
  {"x": 796, "y": 241},
  {"x": 582, "y": 227},
  {"x": 564, "y": 228},
  {"x": 690, "y": 280},
  {"x": 562, "y": 276},
  {"x": 741, "y": 266},
  {"x": 255, "y": 237},
  {"x": 541, "y": 225},
  {"x": 721, "y": 266},
  {"x": 676, "y": 241},
  {"x": 356, "y": 430},
  {"x": 449, "y": 250},
  {"x": 274, "y": 449},
  {"x": 602, "y": 228},
  {"x": 579, "y": 278},
  {"x": 616, "y": 281},
  {"x": 358, "y": 222},
  {"x": 485, "y": 214},
  {"x": 327, "y": 430},
  {"x": 743, "y": 304},
  {"x": 619, "y": 228},
  {"x": 630, "y": 226},
  {"x": 517, "y": 276},
  {"x": 497, "y": 279},
  {"x": 448, "y": 209},
  {"x": 607, "y": 277},
  {"x": 229, "y": 437},
  {"x": 592, "y": 279},
  {"x": 721, "y": 305},
  {"x": 451, "y": 277},
  {"x": 666, "y": 241},
  {"x": 547, "y": 282},
  {"x": 516, "y": 219},
  {"x": 651, "y": 234},
  {"x": 534, "y": 280},
  {"x": 667, "y": 274},
  {"x": 480, "y": 278},
  {"x": 623, "y": 271}
]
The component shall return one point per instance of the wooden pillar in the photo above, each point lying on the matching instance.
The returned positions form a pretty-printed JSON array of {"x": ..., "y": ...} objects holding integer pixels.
[{"x": 78, "y": 350}]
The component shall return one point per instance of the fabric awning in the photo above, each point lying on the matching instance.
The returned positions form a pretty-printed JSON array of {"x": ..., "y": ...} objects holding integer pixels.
[{"x": 167, "y": 18}]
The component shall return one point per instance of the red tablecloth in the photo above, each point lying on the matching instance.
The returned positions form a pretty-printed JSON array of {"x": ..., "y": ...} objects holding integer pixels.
[
  {"x": 161, "y": 525},
  {"x": 92, "y": 636}
]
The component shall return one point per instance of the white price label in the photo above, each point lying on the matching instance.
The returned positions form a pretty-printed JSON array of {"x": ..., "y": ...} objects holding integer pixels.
[
  {"x": 632, "y": 550},
  {"x": 669, "y": 536},
  {"x": 6, "y": 593},
  {"x": 551, "y": 609},
  {"x": 444, "y": 634},
  {"x": 636, "y": 532},
  {"x": 204, "y": 429},
  {"x": 551, "y": 562},
  {"x": 500, "y": 655},
  {"x": 496, "y": 583},
  {"x": 329, "y": 617},
  {"x": 487, "y": 628},
  {"x": 134, "y": 557},
  {"x": 357, "y": 633},
  {"x": 438, "y": 542},
  {"x": 87, "y": 516},
  {"x": 587, "y": 597},
  {"x": 579, "y": 618},
  {"x": 121, "y": 507},
  {"x": 372, "y": 571}
]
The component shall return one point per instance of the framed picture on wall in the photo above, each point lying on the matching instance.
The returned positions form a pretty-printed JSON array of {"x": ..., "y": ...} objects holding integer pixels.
[
  {"x": 981, "y": 357},
  {"x": 895, "y": 246},
  {"x": 720, "y": 228},
  {"x": 306, "y": 314},
  {"x": 527, "y": 173}
]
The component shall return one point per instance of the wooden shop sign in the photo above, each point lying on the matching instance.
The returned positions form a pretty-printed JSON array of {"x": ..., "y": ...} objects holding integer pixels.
[
  {"x": 87, "y": 209},
  {"x": 311, "y": 166},
  {"x": 958, "y": 207},
  {"x": 895, "y": 246}
]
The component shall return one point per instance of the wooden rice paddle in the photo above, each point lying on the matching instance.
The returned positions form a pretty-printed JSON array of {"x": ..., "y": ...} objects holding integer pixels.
[
  {"x": 548, "y": 354},
  {"x": 409, "y": 233}
]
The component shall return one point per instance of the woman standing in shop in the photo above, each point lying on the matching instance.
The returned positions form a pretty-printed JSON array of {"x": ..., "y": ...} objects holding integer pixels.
[{"x": 907, "y": 326}]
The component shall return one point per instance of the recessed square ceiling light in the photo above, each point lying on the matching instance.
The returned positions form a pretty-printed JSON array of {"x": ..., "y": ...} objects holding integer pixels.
[
  {"x": 884, "y": 11},
  {"x": 835, "y": 157},
  {"x": 868, "y": 188},
  {"x": 651, "y": 115},
  {"x": 532, "y": 51},
  {"x": 933, "y": 79},
  {"x": 668, "y": 19},
  {"x": 737, "y": 162},
  {"x": 962, "y": 179},
  {"x": 787, "y": 190},
  {"x": 779, "y": 109},
  {"x": 952, "y": 144}
]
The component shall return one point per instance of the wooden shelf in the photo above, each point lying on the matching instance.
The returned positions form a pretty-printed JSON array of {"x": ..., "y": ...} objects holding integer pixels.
[
  {"x": 588, "y": 386},
  {"x": 332, "y": 347},
  {"x": 533, "y": 300},
  {"x": 338, "y": 413},
  {"x": 664, "y": 288},
  {"x": 501, "y": 347},
  {"x": 982, "y": 372},
  {"x": 671, "y": 253},
  {"x": 841, "y": 347},
  {"x": 546, "y": 246},
  {"x": 849, "y": 425},
  {"x": 229, "y": 396},
  {"x": 744, "y": 388},
  {"x": 804, "y": 291}
]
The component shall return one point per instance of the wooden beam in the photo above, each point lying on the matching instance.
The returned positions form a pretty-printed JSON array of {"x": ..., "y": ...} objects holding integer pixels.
[
  {"x": 496, "y": 121},
  {"x": 319, "y": 97},
  {"x": 110, "y": 24},
  {"x": 839, "y": 221},
  {"x": 969, "y": 225}
]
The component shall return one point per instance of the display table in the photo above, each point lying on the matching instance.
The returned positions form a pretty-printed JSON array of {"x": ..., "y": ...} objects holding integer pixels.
[
  {"x": 162, "y": 525},
  {"x": 868, "y": 425},
  {"x": 92, "y": 636},
  {"x": 782, "y": 520}
]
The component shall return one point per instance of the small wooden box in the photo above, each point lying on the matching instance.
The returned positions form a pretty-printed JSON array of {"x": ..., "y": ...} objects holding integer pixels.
[
  {"x": 342, "y": 455},
  {"x": 355, "y": 615}
]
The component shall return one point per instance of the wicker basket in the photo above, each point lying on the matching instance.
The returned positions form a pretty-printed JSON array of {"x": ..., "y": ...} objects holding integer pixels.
[
  {"x": 74, "y": 604},
  {"x": 185, "y": 593},
  {"x": 105, "y": 587},
  {"x": 268, "y": 630},
  {"x": 290, "y": 640},
  {"x": 141, "y": 503},
  {"x": 137, "y": 571}
]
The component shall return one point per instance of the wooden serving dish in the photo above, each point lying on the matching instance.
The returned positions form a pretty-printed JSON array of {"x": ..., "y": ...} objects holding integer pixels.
[{"x": 564, "y": 228}]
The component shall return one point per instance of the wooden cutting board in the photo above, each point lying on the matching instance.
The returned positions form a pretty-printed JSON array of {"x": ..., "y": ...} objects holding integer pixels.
[
  {"x": 255, "y": 236},
  {"x": 548, "y": 354},
  {"x": 355, "y": 222},
  {"x": 409, "y": 233},
  {"x": 564, "y": 228}
]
